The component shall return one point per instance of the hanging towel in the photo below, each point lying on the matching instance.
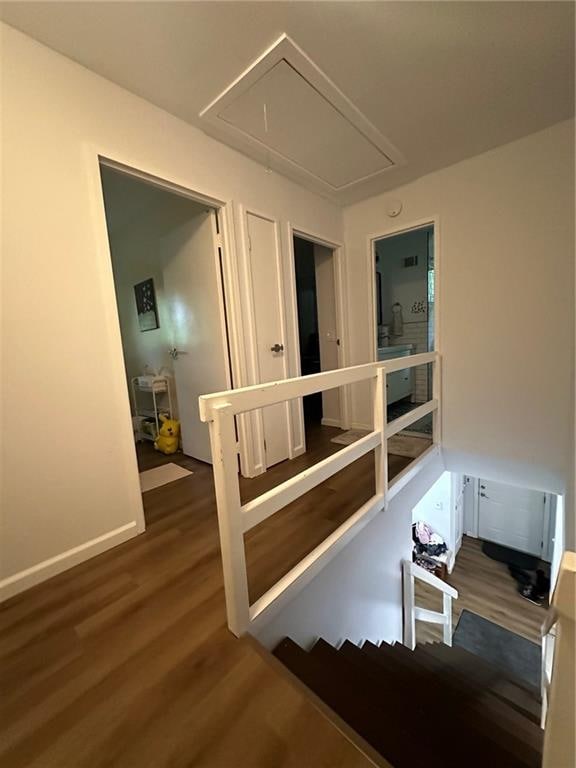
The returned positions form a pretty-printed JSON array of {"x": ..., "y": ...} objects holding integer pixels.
[{"x": 397, "y": 321}]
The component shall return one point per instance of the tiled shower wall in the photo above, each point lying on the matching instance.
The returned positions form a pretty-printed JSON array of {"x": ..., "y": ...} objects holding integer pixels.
[{"x": 416, "y": 333}]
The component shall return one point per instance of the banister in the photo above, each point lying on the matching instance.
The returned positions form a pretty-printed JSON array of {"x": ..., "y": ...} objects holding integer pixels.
[
  {"x": 260, "y": 508},
  {"x": 260, "y": 395},
  {"x": 423, "y": 575},
  {"x": 412, "y": 612},
  {"x": 234, "y": 519}
]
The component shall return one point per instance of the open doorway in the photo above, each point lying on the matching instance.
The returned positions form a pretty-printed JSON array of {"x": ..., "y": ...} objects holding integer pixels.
[
  {"x": 166, "y": 263},
  {"x": 404, "y": 322},
  {"x": 318, "y": 335}
]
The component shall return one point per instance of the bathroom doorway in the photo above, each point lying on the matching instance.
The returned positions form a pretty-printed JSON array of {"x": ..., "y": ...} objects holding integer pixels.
[{"x": 403, "y": 267}]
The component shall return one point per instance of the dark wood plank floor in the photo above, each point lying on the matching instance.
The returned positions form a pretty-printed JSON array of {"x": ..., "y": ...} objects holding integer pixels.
[{"x": 125, "y": 660}]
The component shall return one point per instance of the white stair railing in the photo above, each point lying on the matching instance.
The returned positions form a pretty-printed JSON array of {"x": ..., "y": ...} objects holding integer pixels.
[
  {"x": 559, "y": 684},
  {"x": 235, "y": 519},
  {"x": 413, "y": 613}
]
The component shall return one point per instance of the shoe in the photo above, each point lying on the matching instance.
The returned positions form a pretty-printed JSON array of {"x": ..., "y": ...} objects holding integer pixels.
[{"x": 529, "y": 593}]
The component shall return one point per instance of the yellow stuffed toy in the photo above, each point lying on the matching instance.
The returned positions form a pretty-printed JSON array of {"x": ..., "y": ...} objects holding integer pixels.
[{"x": 168, "y": 438}]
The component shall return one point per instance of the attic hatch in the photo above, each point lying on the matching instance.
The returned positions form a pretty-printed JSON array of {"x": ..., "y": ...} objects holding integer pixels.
[{"x": 285, "y": 106}]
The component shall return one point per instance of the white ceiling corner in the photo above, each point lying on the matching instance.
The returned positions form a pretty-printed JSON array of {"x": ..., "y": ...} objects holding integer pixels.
[{"x": 285, "y": 110}]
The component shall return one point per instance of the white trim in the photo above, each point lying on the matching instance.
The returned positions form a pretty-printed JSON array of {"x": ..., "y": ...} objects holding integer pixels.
[
  {"x": 285, "y": 48},
  {"x": 342, "y": 320},
  {"x": 284, "y": 590},
  {"x": 261, "y": 395},
  {"x": 260, "y": 508},
  {"x": 390, "y": 231},
  {"x": 29, "y": 577},
  {"x": 413, "y": 613},
  {"x": 331, "y": 423},
  {"x": 409, "y": 473},
  {"x": 97, "y": 157}
]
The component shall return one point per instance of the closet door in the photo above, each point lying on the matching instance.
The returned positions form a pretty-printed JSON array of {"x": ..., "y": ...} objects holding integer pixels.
[{"x": 269, "y": 329}]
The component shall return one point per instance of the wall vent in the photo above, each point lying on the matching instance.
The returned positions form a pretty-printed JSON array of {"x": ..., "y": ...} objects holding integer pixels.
[{"x": 411, "y": 261}]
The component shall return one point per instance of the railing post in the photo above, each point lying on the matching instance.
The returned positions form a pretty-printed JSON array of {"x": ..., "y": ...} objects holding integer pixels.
[
  {"x": 408, "y": 600},
  {"x": 380, "y": 421},
  {"x": 437, "y": 395},
  {"x": 225, "y": 467},
  {"x": 447, "y": 610}
]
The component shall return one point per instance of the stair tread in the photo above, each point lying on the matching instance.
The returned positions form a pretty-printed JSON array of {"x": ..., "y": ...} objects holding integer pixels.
[
  {"x": 493, "y": 718},
  {"x": 486, "y": 677},
  {"x": 457, "y": 652},
  {"x": 491, "y": 706},
  {"x": 399, "y": 701},
  {"x": 342, "y": 691}
]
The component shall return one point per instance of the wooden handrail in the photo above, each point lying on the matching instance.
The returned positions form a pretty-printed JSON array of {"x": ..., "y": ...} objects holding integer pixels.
[
  {"x": 423, "y": 575},
  {"x": 270, "y": 393}
]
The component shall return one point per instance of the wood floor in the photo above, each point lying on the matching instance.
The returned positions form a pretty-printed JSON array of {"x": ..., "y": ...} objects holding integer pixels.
[
  {"x": 125, "y": 660},
  {"x": 484, "y": 587}
]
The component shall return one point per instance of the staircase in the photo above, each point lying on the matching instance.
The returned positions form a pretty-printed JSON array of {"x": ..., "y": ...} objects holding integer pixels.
[{"x": 433, "y": 707}]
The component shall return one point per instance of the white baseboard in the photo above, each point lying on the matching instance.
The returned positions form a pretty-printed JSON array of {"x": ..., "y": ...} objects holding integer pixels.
[
  {"x": 361, "y": 425},
  {"x": 23, "y": 580},
  {"x": 331, "y": 422}
]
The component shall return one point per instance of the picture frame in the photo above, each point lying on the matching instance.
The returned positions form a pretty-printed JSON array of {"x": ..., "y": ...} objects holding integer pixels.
[{"x": 146, "y": 305}]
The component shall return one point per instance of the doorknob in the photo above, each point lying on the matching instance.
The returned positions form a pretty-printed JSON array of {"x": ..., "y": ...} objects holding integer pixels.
[
  {"x": 277, "y": 348},
  {"x": 483, "y": 495},
  {"x": 174, "y": 353}
]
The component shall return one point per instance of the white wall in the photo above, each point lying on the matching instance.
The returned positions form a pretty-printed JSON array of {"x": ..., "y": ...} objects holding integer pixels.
[
  {"x": 435, "y": 508},
  {"x": 358, "y": 595},
  {"x": 505, "y": 267},
  {"x": 66, "y": 497}
]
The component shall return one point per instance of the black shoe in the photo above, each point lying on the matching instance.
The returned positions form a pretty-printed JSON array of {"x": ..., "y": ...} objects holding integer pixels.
[{"x": 528, "y": 592}]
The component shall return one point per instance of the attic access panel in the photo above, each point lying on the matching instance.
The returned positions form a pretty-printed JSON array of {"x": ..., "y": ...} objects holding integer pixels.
[{"x": 283, "y": 104}]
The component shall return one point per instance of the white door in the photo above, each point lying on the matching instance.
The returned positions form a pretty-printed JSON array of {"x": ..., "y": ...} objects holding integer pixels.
[
  {"x": 269, "y": 335},
  {"x": 511, "y": 516},
  {"x": 193, "y": 295}
]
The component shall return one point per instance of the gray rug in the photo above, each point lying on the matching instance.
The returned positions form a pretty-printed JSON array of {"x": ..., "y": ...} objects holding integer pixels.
[{"x": 519, "y": 657}]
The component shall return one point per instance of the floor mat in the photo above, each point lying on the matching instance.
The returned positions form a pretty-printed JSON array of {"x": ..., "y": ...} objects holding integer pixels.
[
  {"x": 165, "y": 473},
  {"x": 510, "y": 556},
  {"x": 406, "y": 445},
  {"x": 519, "y": 657},
  {"x": 349, "y": 437}
]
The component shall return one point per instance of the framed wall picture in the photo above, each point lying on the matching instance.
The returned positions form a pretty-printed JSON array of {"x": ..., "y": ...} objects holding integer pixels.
[{"x": 146, "y": 305}]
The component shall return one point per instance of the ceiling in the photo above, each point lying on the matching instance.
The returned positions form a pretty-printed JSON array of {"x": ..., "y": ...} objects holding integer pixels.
[
  {"x": 130, "y": 201},
  {"x": 438, "y": 81}
]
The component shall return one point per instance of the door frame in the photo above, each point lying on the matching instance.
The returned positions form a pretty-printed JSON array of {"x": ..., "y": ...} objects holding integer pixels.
[
  {"x": 390, "y": 231},
  {"x": 342, "y": 326},
  {"x": 228, "y": 295}
]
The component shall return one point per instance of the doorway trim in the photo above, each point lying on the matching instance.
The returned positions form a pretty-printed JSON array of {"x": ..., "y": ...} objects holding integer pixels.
[
  {"x": 95, "y": 158},
  {"x": 342, "y": 322},
  {"x": 390, "y": 231}
]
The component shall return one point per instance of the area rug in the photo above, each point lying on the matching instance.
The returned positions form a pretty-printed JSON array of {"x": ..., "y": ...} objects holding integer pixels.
[
  {"x": 406, "y": 445},
  {"x": 349, "y": 437},
  {"x": 165, "y": 473},
  {"x": 519, "y": 657}
]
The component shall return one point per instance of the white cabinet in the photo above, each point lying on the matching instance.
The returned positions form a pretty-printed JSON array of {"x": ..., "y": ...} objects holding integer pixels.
[{"x": 399, "y": 384}]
